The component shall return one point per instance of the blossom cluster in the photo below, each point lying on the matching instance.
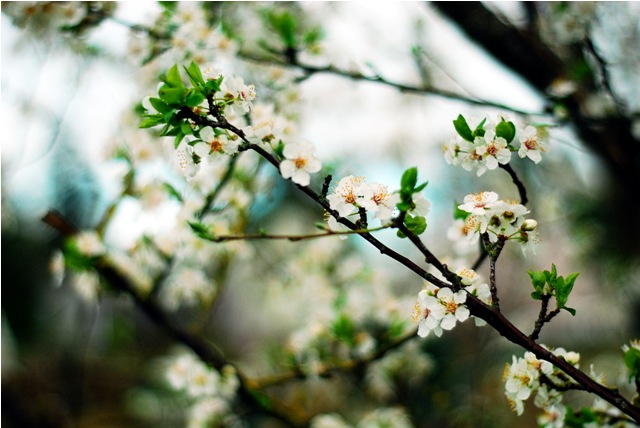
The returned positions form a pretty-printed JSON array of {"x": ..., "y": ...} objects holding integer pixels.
[
  {"x": 501, "y": 220},
  {"x": 353, "y": 193},
  {"x": 490, "y": 145},
  {"x": 440, "y": 309},
  {"x": 210, "y": 391},
  {"x": 529, "y": 376}
]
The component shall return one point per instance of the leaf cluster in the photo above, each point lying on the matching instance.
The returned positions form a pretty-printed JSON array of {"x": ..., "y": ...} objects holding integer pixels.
[
  {"x": 408, "y": 187},
  {"x": 504, "y": 129},
  {"x": 173, "y": 96},
  {"x": 549, "y": 283},
  {"x": 291, "y": 31}
]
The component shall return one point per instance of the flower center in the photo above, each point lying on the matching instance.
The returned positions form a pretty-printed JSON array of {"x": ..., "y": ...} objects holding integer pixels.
[
  {"x": 300, "y": 162},
  {"x": 492, "y": 150},
  {"x": 216, "y": 145}
]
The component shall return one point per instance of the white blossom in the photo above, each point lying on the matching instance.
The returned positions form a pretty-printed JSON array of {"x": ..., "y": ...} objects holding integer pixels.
[{"x": 299, "y": 163}]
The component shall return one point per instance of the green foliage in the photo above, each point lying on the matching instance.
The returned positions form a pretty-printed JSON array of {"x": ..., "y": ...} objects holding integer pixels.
[
  {"x": 74, "y": 258},
  {"x": 632, "y": 361},
  {"x": 285, "y": 25},
  {"x": 579, "y": 419},
  {"x": 174, "y": 97},
  {"x": 459, "y": 214},
  {"x": 549, "y": 283},
  {"x": 200, "y": 230},
  {"x": 408, "y": 186},
  {"x": 462, "y": 128},
  {"x": 343, "y": 329},
  {"x": 506, "y": 130}
]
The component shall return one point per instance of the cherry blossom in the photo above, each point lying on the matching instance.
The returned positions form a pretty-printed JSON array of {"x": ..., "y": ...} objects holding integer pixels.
[{"x": 299, "y": 163}]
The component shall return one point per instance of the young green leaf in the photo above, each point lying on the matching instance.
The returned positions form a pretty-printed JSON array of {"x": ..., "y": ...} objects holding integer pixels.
[
  {"x": 479, "y": 131},
  {"x": 172, "y": 96},
  {"x": 172, "y": 192},
  {"x": 173, "y": 78},
  {"x": 506, "y": 130},
  {"x": 409, "y": 180},
  {"x": 151, "y": 121},
  {"x": 538, "y": 280},
  {"x": 462, "y": 128},
  {"x": 195, "y": 75},
  {"x": 632, "y": 361},
  {"x": 159, "y": 105},
  {"x": 201, "y": 230},
  {"x": 417, "y": 224}
]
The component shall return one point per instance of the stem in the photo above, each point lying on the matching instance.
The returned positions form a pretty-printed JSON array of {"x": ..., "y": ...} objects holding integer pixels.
[
  {"x": 421, "y": 90},
  {"x": 292, "y": 238},
  {"x": 521, "y": 189},
  {"x": 544, "y": 303}
]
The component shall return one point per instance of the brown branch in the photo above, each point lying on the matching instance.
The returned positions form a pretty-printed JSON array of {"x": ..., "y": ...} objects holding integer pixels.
[
  {"x": 521, "y": 189},
  {"x": 310, "y": 70}
]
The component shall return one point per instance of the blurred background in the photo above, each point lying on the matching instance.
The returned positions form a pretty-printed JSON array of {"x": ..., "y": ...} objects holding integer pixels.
[{"x": 73, "y": 78}]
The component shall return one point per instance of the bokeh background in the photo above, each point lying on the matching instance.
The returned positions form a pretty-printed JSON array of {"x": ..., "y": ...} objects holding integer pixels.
[{"x": 74, "y": 75}]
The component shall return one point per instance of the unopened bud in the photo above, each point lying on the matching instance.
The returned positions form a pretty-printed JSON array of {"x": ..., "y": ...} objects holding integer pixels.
[{"x": 529, "y": 225}]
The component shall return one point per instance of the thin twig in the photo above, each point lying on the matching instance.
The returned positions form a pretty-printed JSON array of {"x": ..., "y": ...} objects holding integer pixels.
[
  {"x": 292, "y": 238},
  {"x": 521, "y": 189}
]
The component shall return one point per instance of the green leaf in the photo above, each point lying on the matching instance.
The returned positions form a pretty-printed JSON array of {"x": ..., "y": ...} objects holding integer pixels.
[
  {"x": 285, "y": 25},
  {"x": 179, "y": 137},
  {"x": 538, "y": 279},
  {"x": 417, "y": 224},
  {"x": 194, "y": 98},
  {"x": 313, "y": 36},
  {"x": 172, "y": 192},
  {"x": 401, "y": 235},
  {"x": 479, "y": 131},
  {"x": 535, "y": 295},
  {"x": 213, "y": 85},
  {"x": 195, "y": 75},
  {"x": 409, "y": 180},
  {"x": 632, "y": 362},
  {"x": 420, "y": 187},
  {"x": 186, "y": 129},
  {"x": 152, "y": 121},
  {"x": 570, "y": 310},
  {"x": 462, "y": 128},
  {"x": 344, "y": 329},
  {"x": 201, "y": 230},
  {"x": 403, "y": 206},
  {"x": 459, "y": 214},
  {"x": 506, "y": 130},
  {"x": 173, "y": 78},
  {"x": 172, "y": 96},
  {"x": 159, "y": 105}
]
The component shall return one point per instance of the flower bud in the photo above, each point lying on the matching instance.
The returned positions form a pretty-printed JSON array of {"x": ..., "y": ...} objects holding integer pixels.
[{"x": 529, "y": 225}]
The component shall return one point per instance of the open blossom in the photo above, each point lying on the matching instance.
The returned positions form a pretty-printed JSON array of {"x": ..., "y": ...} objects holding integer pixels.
[
  {"x": 234, "y": 89},
  {"x": 187, "y": 165},
  {"x": 344, "y": 198},
  {"x": 531, "y": 145},
  {"x": 264, "y": 131},
  {"x": 479, "y": 203},
  {"x": 299, "y": 163},
  {"x": 500, "y": 219},
  {"x": 439, "y": 309},
  {"x": 213, "y": 145},
  {"x": 377, "y": 199},
  {"x": 492, "y": 151},
  {"x": 523, "y": 379}
]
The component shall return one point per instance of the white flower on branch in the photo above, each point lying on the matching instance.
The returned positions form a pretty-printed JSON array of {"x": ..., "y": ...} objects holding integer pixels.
[{"x": 299, "y": 163}]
